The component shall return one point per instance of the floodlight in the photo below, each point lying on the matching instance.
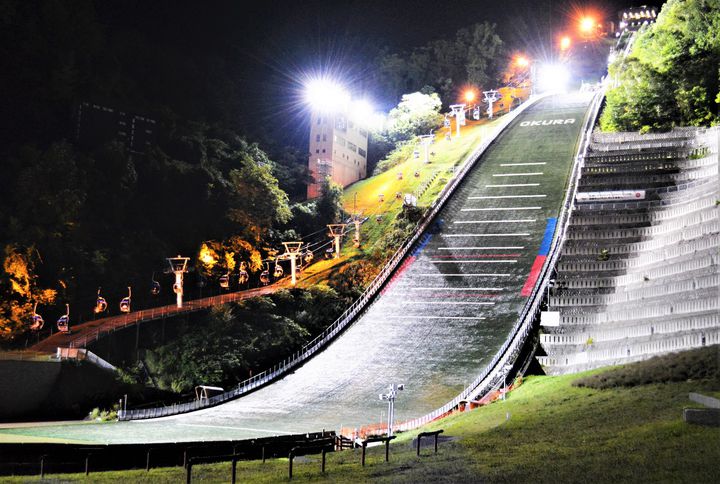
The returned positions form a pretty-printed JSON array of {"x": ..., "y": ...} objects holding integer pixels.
[
  {"x": 469, "y": 96},
  {"x": 587, "y": 24},
  {"x": 326, "y": 95},
  {"x": 553, "y": 77}
]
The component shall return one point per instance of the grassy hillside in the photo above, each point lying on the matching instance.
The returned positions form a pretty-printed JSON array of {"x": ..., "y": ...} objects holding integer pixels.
[{"x": 548, "y": 430}]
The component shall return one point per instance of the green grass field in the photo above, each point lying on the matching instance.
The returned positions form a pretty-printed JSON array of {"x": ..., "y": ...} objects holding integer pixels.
[{"x": 546, "y": 431}]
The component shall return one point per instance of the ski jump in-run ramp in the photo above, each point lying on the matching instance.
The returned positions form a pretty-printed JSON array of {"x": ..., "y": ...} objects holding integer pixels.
[{"x": 440, "y": 319}]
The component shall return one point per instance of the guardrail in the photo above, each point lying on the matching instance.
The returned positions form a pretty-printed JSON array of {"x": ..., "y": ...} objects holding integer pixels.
[
  {"x": 517, "y": 337},
  {"x": 355, "y": 308}
]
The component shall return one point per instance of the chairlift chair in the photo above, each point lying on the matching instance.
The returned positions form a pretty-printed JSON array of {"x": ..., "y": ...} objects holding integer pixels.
[
  {"x": 398, "y": 195},
  {"x": 243, "y": 276},
  {"x": 329, "y": 252},
  {"x": 417, "y": 174},
  {"x": 100, "y": 304},
  {"x": 37, "y": 320},
  {"x": 63, "y": 324},
  {"x": 399, "y": 175},
  {"x": 265, "y": 275},
  {"x": 416, "y": 154},
  {"x": 155, "y": 287},
  {"x": 125, "y": 302},
  {"x": 225, "y": 281},
  {"x": 278, "y": 272},
  {"x": 308, "y": 257}
]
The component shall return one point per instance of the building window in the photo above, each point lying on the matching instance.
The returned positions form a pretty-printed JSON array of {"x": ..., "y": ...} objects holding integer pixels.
[
  {"x": 317, "y": 138},
  {"x": 324, "y": 137},
  {"x": 352, "y": 147},
  {"x": 362, "y": 152},
  {"x": 340, "y": 140},
  {"x": 323, "y": 150},
  {"x": 317, "y": 151},
  {"x": 363, "y": 133}
]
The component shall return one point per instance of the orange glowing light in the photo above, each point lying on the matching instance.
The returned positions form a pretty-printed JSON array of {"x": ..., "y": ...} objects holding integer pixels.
[
  {"x": 522, "y": 61},
  {"x": 565, "y": 43},
  {"x": 587, "y": 24},
  {"x": 469, "y": 96}
]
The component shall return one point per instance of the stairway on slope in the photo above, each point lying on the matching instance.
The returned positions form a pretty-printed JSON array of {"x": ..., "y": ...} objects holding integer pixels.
[{"x": 639, "y": 278}]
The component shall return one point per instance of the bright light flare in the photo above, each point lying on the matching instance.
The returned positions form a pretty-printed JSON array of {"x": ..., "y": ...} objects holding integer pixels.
[
  {"x": 587, "y": 24},
  {"x": 522, "y": 61},
  {"x": 361, "y": 111},
  {"x": 469, "y": 96},
  {"x": 326, "y": 95},
  {"x": 553, "y": 77},
  {"x": 565, "y": 42}
]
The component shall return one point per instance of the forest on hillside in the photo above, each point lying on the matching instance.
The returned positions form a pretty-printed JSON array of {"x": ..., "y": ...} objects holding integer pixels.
[{"x": 672, "y": 76}]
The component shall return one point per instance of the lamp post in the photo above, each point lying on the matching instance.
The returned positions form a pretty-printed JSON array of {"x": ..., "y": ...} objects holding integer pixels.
[{"x": 390, "y": 396}]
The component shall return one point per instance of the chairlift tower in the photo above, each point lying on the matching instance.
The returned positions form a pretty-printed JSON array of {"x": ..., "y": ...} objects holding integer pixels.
[
  {"x": 426, "y": 140},
  {"x": 458, "y": 111},
  {"x": 357, "y": 221},
  {"x": 490, "y": 98},
  {"x": 292, "y": 252},
  {"x": 390, "y": 396},
  {"x": 178, "y": 266},
  {"x": 336, "y": 232}
]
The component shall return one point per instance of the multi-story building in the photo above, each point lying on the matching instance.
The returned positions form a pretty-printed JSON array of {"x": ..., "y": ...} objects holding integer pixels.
[{"x": 338, "y": 149}]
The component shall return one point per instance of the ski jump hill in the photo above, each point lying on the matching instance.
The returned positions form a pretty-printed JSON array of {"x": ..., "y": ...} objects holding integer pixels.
[{"x": 447, "y": 321}]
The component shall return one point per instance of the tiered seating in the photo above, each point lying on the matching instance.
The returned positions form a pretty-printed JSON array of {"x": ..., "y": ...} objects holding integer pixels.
[{"x": 640, "y": 278}]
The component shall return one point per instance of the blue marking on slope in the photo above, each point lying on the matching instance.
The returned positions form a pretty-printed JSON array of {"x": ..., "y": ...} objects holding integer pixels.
[
  {"x": 424, "y": 240},
  {"x": 547, "y": 238}
]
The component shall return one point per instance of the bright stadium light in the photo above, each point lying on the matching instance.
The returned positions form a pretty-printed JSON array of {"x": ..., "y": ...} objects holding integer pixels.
[
  {"x": 552, "y": 77},
  {"x": 587, "y": 24},
  {"x": 326, "y": 95}
]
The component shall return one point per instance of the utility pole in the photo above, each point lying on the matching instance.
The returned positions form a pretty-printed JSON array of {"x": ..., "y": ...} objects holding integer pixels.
[{"x": 178, "y": 266}]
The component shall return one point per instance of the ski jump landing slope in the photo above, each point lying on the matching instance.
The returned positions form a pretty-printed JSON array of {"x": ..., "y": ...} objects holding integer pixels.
[{"x": 438, "y": 322}]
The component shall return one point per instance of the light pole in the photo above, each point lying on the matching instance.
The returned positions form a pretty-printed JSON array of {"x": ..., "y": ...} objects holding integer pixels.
[
  {"x": 178, "y": 266},
  {"x": 390, "y": 396}
]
